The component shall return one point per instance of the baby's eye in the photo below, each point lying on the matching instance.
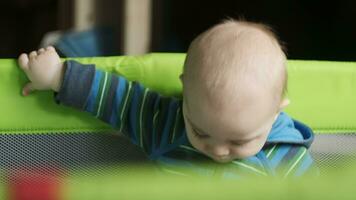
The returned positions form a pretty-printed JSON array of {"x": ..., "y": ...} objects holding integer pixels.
[
  {"x": 239, "y": 143},
  {"x": 200, "y": 136}
]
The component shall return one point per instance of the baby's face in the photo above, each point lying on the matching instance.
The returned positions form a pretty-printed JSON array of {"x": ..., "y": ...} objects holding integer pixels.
[{"x": 230, "y": 132}]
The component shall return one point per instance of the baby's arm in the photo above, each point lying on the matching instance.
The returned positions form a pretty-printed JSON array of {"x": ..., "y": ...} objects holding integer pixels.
[{"x": 150, "y": 121}]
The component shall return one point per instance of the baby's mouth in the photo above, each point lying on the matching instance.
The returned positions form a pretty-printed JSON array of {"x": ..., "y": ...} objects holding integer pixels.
[{"x": 223, "y": 159}]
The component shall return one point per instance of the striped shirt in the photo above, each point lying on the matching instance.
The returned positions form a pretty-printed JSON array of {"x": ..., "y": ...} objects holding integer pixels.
[{"x": 155, "y": 123}]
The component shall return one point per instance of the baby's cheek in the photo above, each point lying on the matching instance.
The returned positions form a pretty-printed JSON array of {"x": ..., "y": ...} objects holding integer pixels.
[
  {"x": 253, "y": 147},
  {"x": 197, "y": 144},
  {"x": 193, "y": 141},
  {"x": 246, "y": 150},
  {"x": 200, "y": 146}
]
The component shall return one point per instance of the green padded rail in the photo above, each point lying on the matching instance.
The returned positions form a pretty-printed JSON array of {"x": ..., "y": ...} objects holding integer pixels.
[
  {"x": 321, "y": 94},
  {"x": 140, "y": 184}
]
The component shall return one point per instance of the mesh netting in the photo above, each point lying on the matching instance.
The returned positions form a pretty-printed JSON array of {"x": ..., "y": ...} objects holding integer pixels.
[
  {"x": 45, "y": 154},
  {"x": 334, "y": 151}
]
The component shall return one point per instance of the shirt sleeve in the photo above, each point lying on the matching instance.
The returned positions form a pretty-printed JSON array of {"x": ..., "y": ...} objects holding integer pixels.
[
  {"x": 153, "y": 122},
  {"x": 291, "y": 161}
]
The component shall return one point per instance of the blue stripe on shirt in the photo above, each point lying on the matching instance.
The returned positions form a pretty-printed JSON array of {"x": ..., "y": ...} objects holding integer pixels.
[
  {"x": 166, "y": 130},
  {"x": 94, "y": 92},
  {"x": 279, "y": 155},
  {"x": 304, "y": 166},
  {"x": 119, "y": 95},
  {"x": 137, "y": 92}
]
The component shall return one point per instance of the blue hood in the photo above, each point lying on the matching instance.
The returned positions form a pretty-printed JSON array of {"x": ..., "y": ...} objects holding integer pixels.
[{"x": 288, "y": 131}]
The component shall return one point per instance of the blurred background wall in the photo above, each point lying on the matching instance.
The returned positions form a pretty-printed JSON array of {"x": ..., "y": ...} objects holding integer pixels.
[{"x": 323, "y": 30}]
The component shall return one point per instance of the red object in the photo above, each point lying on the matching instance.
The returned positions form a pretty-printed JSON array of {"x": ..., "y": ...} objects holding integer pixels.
[{"x": 34, "y": 184}]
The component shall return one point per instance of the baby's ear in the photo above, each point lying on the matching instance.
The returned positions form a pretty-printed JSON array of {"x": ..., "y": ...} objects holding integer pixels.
[{"x": 284, "y": 103}]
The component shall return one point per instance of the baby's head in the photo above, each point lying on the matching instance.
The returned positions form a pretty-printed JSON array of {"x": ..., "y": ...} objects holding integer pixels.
[{"x": 234, "y": 82}]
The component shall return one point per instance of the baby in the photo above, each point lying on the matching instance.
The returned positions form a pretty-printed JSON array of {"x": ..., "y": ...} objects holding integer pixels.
[{"x": 234, "y": 85}]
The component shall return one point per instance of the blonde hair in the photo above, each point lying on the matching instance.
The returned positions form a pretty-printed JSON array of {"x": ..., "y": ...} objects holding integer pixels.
[{"x": 235, "y": 53}]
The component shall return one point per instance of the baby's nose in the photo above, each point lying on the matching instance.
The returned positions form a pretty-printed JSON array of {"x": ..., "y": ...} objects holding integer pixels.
[{"x": 220, "y": 151}]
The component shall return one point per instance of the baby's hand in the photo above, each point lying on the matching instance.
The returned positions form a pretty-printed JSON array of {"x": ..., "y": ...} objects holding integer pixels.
[{"x": 44, "y": 69}]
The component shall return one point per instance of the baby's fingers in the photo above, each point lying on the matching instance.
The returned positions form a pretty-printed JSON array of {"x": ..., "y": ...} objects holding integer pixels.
[
  {"x": 40, "y": 51},
  {"x": 33, "y": 54},
  {"x": 23, "y": 62},
  {"x": 27, "y": 89},
  {"x": 50, "y": 48}
]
